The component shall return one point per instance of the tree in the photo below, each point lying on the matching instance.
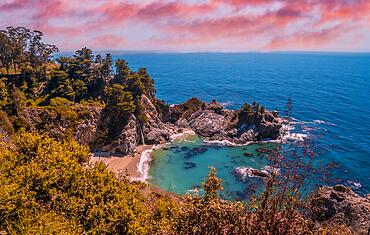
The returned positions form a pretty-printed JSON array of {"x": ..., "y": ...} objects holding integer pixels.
[
  {"x": 134, "y": 84},
  {"x": 212, "y": 185},
  {"x": 148, "y": 83},
  {"x": 20, "y": 47},
  {"x": 49, "y": 185},
  {"x": 4, "y": 94},
  {"x": 120, "y": 100},
  {"x": 122, "y": 71},
  {"x": 5, "y": 51},
  {"x": 107, "y": 66}
]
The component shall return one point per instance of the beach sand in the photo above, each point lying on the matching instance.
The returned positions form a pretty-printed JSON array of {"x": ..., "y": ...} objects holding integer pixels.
[{"x": 126, "y": 164}]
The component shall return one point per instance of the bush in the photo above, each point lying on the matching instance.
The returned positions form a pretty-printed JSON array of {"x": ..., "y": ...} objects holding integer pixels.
[{"x": 41, "y": 175}]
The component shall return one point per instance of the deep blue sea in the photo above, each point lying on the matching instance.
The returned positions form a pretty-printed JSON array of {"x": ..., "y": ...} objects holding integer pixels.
[{"x": 330, "y": 95}]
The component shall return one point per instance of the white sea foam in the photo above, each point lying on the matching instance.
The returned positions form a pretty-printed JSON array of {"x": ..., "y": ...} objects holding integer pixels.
[
  {"x": 144, "y": 165},
  {"x": 272, "y": 169},
  {"x": 225, "y": 143},
  {"x": 182, "y": 135},
  {"x": 359, "y": 185},
  {"x": 146, "y": 157},
  {"x": 226, "y": 104}
]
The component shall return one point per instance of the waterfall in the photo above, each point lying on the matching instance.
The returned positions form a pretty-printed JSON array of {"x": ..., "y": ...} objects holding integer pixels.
[{"x": 141, "y": 133}]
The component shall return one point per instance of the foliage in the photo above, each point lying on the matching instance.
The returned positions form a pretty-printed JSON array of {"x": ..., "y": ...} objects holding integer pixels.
[
  {"x": 48, "y": 186},
  {"x": 20, "y": 47},
  {"x": 40, "y": 176},
  {"x": 37, "y": 81},
  {"x": 119, "y": 99}
]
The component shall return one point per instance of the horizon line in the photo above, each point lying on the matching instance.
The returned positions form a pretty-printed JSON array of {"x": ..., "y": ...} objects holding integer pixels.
[{"x": 223, "y": 51}]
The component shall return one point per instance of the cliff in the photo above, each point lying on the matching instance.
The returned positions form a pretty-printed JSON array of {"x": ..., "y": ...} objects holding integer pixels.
[
  {"x": 118, "y": 133},
  {"x": 209, "y": 120}
]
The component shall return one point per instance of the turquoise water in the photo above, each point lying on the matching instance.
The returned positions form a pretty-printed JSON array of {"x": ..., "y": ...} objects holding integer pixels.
[
  {"x": 330, "y": 94},
  {"x": 182, "y": 165}
]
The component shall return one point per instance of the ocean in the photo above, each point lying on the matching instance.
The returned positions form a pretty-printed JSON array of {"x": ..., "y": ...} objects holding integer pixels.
[{"x": 329, "y": 92}]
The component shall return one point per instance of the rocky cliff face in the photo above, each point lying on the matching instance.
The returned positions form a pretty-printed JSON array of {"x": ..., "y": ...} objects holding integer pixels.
[
  {"x": 339, "y": 204},
  {"x": 119, "y": 133},
  {"x": 209, "y": 120}
]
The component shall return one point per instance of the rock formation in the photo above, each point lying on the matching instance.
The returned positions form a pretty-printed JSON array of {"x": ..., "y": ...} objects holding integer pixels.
[
  {"x": 212, "y": 122},
  {"x": 339, "y": 204},
  {"x": 119, "y": 132}
]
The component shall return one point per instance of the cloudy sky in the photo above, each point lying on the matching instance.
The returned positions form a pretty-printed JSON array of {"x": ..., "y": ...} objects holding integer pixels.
[{"x": 195, "y": 25}]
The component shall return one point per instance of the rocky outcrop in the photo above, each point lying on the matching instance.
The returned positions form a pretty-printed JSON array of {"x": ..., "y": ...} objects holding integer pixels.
[
  {"x": 339, "y": 204},
  {"x": 212, "y": 122},
  {"x": 119, "y": 132},
  {"x": 155, "y": 131},
  {"x": 241, "y": 173},
  {"x": 127, "y": 139},
  {"x": 86, "y": 130}
]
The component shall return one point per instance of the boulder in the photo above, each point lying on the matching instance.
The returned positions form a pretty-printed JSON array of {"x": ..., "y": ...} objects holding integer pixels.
[{"x": 339, "y": 204}]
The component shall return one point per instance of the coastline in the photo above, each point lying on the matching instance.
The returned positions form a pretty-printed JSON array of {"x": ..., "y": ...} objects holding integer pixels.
[
  {"x": 124, "y": 165},
  {"x": 137, "y": 166}
]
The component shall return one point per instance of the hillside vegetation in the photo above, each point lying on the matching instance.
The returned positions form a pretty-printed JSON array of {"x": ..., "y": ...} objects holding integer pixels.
[{"x": 48, "y": 186}]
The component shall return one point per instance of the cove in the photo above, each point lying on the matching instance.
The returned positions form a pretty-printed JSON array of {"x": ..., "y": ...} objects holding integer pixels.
[{"x": 181, "y": 166}]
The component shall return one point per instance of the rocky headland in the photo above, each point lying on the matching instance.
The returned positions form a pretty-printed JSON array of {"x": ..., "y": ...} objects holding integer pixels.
[{"x": 208, "y": 120}]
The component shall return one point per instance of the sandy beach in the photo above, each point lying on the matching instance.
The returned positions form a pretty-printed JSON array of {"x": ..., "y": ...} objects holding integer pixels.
[
  {"x": 126, "y": 164},
  {"x": 130, "y": 164}
]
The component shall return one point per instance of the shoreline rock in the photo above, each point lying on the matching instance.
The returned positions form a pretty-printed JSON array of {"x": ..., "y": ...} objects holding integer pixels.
[{"x": 339, "y": 204}]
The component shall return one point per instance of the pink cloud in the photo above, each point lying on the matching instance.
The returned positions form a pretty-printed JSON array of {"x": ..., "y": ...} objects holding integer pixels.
[{"x": 181, "y": 24}]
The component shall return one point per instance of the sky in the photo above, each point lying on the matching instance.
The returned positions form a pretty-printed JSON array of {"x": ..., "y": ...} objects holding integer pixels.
[{"x": 195, "y": 25}]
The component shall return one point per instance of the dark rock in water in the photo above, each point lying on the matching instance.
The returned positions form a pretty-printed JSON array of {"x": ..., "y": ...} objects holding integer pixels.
[
  {"x": 214, "y": 106},
  {"x": 194, "y": 152},
  {"x": 248, "y": 154},
  {"x": 262, "y": 150},
  {"x": 184, "y": 148},
  {"x": 199, "y": 150},
  {"x": 180, "y": 149},
  {"x": 215, "y": 146},
  {"x": 190, "y": 165},
  {"x": 189, "y": 155},
  {"x": 339, "y": 204}
]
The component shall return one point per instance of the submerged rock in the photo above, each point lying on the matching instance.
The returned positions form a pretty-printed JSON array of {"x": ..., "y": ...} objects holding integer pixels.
[
  {"x": 190, "y": 165},
  {"x": 248, "y": 154},
  {"x": 339, "y": 204}
]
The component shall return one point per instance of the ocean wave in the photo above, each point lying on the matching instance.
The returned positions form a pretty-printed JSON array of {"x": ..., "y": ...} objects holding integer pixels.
[
  {"x": 146, "y": 157},
  {"x": 316, "y": 121},
  {"x": 144, "y": 165},
  {"x": 227, "y": 104}
]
